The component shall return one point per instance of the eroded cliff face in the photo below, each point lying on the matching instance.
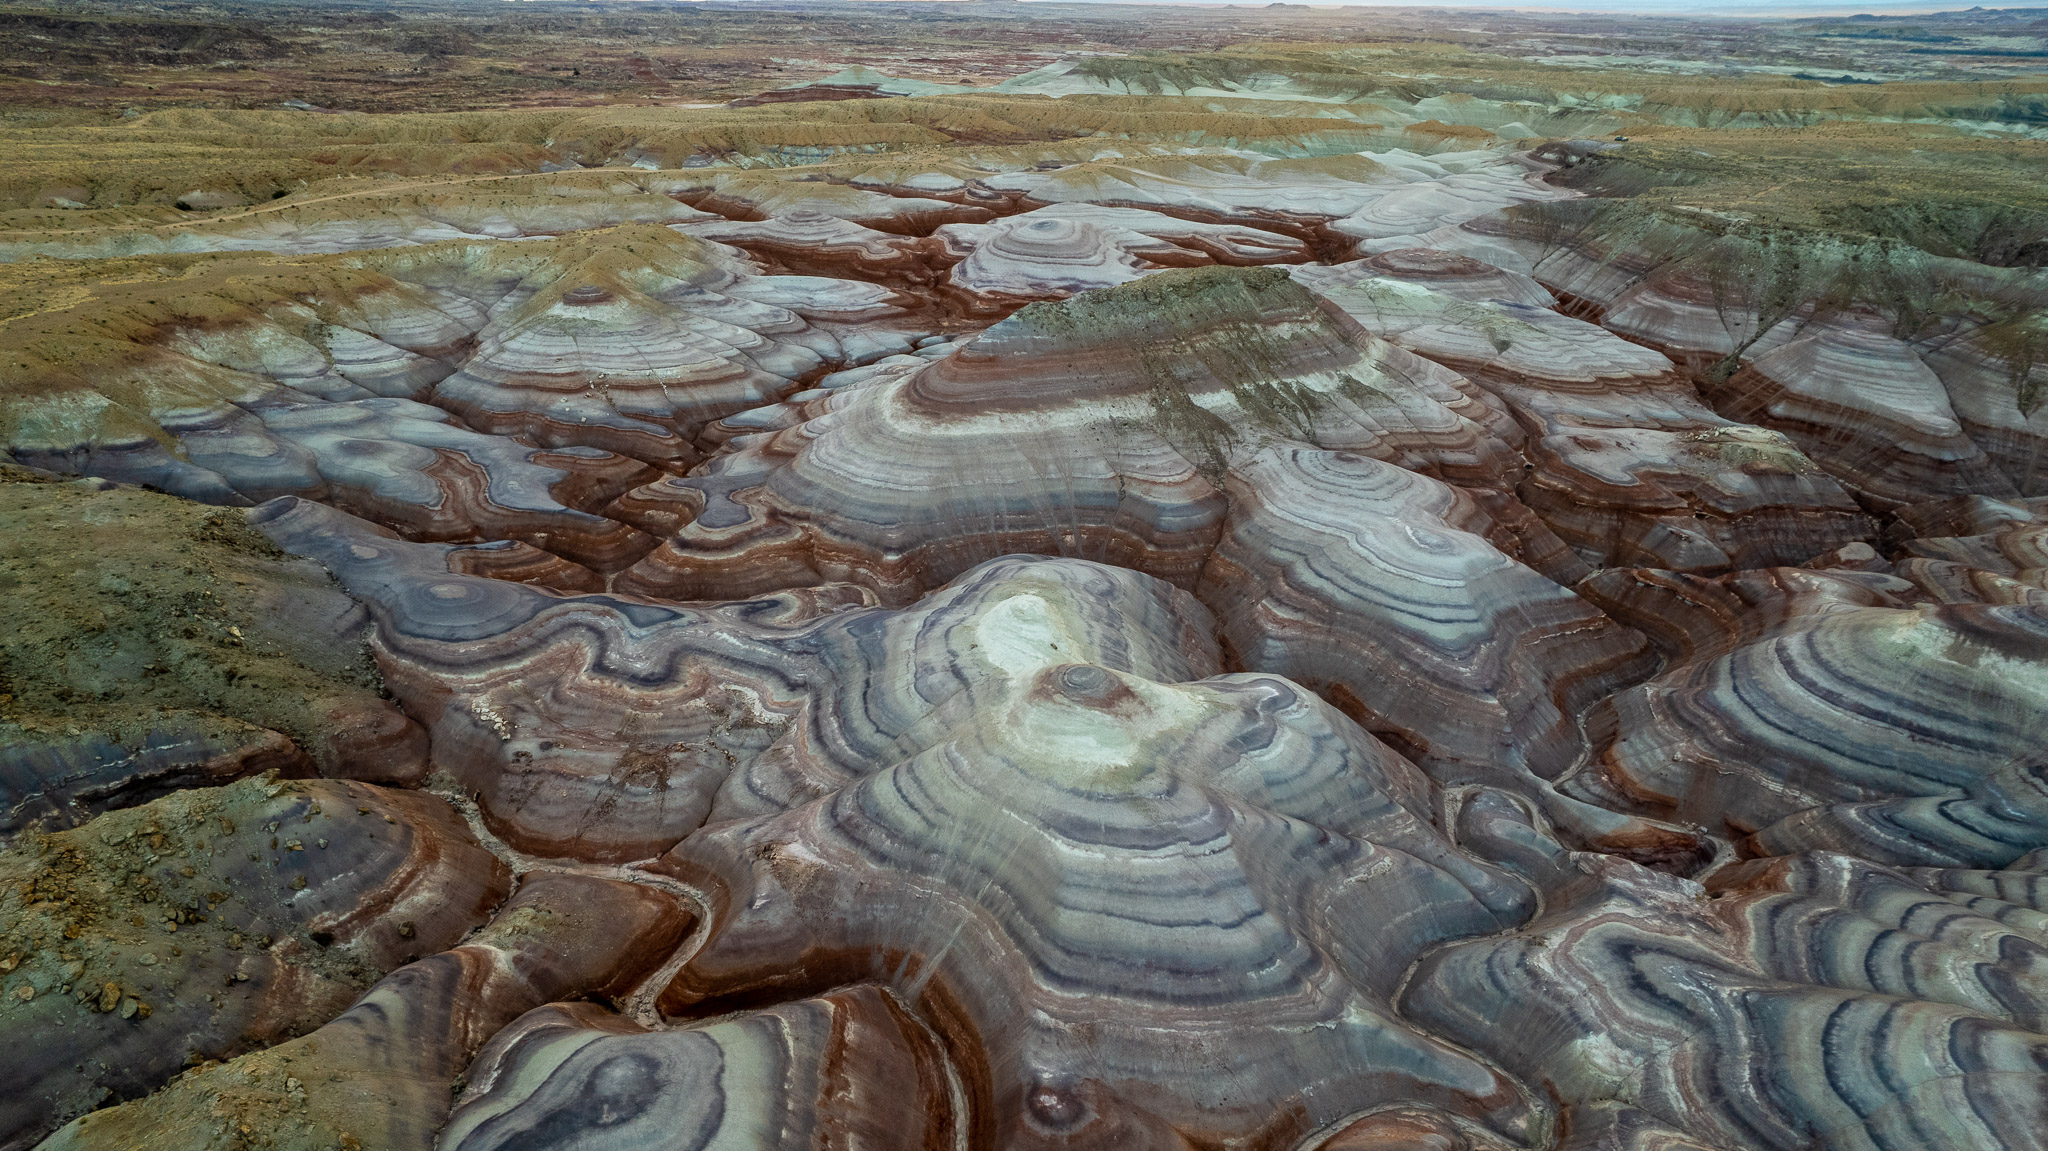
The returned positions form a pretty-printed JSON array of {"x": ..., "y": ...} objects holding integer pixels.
[{"x": 1004, "y": 648}]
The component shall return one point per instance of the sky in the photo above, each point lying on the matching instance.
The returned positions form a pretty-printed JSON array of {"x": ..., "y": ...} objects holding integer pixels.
[{"x": 1651, "y": 7}]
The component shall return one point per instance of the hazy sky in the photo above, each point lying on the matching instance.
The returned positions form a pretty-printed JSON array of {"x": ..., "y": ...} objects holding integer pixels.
[{"x": 1689, "y": 7}]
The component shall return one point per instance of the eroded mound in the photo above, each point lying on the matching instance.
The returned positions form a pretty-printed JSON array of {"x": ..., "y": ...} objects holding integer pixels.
[
  {"x": 214, "y": 921},
  {"x": 151, "y": 644},
  {"x": 1289, "y": 597}
]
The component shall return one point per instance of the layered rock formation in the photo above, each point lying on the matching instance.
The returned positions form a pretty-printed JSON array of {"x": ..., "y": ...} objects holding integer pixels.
[
  {"x": 1031, "y": 649},
  {"x": 1869, "y": 410},
  {"x": 458, "y": 392},
  {"x": 635, "y": 341},
  {"x": 1056, "y": 251},
  {"x": 1337, "y": 567},
  {"x": 1883, "y": 365},
  {"x": 1382, "y": 197},
  {"x": 150, "y": 644},
  {"x": 1135, "y": 912},
  {"x": 382, "y": 1073},
  {"x": 1898, "y": 1007},
  {"x": 849, "y": 1068},
  {"x": 909, "y": 210},
  {"x": 956, "y": 654},
  {"x": 1132, "y": 406},
  {"x": 416, "y": 467},
  {"x": 1835, "y": 716},
  {"x": 213, "y": 921},
  {"x": 816, "y": 243},
  {"x": 508, "y": 208},
  {"x": 734, "y": 706},
  {"x": 1628, "y": 465}
]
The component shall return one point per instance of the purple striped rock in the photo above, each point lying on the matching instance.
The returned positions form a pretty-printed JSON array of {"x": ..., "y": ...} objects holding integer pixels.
[
  {"x": 1100, "y": 427},
  {"x": 1867, "y": 409},
  {"x": 210, "y": 922},
  {"x": 1135, "y": 912},
  {"x": 1056, "y": 251},
  {"x": 1894, "y": 1009},
  {"x": 846, "y": 1069},
  {"x": 383, "y": 1072},
  {"x": 1627, "y": 464},
  {"x": 607, "y": 727},
  {"x": 1829, "y": 715},
  {"x": 1391, "y": 594}
]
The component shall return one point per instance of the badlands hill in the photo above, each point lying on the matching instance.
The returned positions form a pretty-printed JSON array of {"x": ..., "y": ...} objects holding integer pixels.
[{"x": 1022, "y": 577}]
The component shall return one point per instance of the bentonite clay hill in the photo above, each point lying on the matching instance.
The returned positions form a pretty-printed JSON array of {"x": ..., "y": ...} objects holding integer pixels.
[{"x": 1349, "y": 597}]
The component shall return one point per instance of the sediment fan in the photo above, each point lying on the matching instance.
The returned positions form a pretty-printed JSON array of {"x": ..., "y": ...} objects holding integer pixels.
[{"x": 1241, "y": 649}]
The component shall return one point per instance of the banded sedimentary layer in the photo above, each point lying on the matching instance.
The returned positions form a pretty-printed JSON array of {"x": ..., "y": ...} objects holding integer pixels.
[
  {"x": 1133, "y": 911},
  {"x": 151, "y": 644},
  {"x": 1892, "y": 1002},
  {"x": 1101, "y": 427},
  {"x": 1627, "y": 463},
  {"x": 381, "y": 1074},
  {"x": 214, "y": 921},
  {"x": 1843, "y": 717},
  {"x": 1069, "y": 637}
]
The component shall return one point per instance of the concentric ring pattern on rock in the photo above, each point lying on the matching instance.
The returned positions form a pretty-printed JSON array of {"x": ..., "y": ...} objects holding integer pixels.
[{"x": 1361, "y": 636}]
